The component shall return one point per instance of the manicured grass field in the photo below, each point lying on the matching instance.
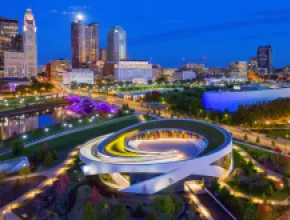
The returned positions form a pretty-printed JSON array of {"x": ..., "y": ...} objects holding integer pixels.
[{"x": 74, "y": 139}]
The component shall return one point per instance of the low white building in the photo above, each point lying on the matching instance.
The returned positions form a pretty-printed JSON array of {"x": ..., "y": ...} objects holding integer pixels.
[
  {"x": 138, "y": 71},
  {"x": 184, "y": 75},
  {"x": 79, "y": 76}
]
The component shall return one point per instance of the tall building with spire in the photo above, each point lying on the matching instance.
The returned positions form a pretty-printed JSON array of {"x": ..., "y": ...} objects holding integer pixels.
[
  {"x": 84, "y": 43},
  {"x": 19, "y": 63},
  {"x": 29, "y": 44},
  {"x": 117, "y": 44}
]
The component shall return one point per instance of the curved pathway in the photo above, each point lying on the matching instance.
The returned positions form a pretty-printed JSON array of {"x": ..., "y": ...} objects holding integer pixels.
[
  {"x": 51, "y": 178},
  {"x": 51, "y": 175},
  {"x": 270, "y": 174}
]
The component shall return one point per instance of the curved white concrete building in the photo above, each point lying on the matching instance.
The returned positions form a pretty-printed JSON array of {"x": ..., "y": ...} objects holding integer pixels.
[{"x": 159, "y": 153}]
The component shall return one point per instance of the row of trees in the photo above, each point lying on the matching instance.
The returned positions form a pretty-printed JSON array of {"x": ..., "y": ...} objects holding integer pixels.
[
  {"x": 243, "y": 208},
  {"x": 34, "y": 87},
  {"x": 261, "y": 112}
]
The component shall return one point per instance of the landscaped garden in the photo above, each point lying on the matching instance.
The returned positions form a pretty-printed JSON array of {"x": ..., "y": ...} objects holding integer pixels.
[
  {"x": 77, "y": 197},
  {"x": 246, "y": 209},
  {"x": 249, "y": 180},
  {"x": 272, "y": 161}
]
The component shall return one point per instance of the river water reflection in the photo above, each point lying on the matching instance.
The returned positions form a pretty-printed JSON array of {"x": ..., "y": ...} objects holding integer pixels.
[{"x": 10, "y": 126}]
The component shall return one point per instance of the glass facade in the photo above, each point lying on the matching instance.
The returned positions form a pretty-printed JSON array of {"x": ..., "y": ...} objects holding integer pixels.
[
  {"x": 265, "y": 58},
  {"x": 8, "y": 37},
  {"x": 117, "y": 44},
  {"x": 84, "y": 44}
]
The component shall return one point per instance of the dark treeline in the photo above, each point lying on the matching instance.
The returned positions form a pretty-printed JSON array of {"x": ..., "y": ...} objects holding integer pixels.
[{"x": 261, "y": 112}]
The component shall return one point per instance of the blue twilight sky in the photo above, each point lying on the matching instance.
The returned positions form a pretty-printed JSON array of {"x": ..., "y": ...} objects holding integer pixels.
[{"x": 223, "y": 31}]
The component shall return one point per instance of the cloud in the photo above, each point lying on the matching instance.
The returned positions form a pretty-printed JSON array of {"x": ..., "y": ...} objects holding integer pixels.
[
  {"x": 190, "y": 32},
  {"x": 71, "y": 10}
]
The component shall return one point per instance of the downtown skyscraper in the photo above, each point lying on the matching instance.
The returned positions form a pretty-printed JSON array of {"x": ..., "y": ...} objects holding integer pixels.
[
  {"x": 117, "y": 44},
  {"x": 265, "y": 58},
  {"x": 29, "y": 44},
  {"x": 9, "y": 38},
  {"x": 84, "y": 43}
]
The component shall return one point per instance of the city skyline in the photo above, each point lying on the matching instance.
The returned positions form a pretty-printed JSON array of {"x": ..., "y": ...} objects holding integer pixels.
[{"x": 229, "y": 37}]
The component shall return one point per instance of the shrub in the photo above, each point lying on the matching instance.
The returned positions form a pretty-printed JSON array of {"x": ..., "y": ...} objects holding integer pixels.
[
  {"x": 2, "y": 175},
  {"x": 41, "y": 155},
  {"x": 24, "y": 171},
  {"x": 54, "y": 154},
  {"x": 48, "y": 161},
  {"x": 245, "y": 137},
  {"x": 17, "y": 147},
  {"x": 152, "y": 215},
  {"x": 138, "y": 211}
]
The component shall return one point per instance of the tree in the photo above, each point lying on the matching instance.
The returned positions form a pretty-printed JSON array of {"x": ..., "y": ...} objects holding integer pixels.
[
  {"x": 95, "y": 197},
  {"x": 2, "y": 175},
  {"x": 273, "y": 143},
  {"x": 165, "y": 204},
  {"x": 54, "y": 154},
  {"x": 285, "y": 182},
  {"x": 24, "y": 171},
  {"x": 237, "y": 179},
  {"x": 41, "y": 155},
  {"x": 214, "y": 184},
  {"x": 74, "y": 85},
  {"x": 264, "y": 211},
  {"x": 17, "y": 147},
  {"x": 152, "y": 215},
  {"x": 121, "y": 212},
  {"x": 89, "y": 212},
  {"x": 245, "y": 137},
  {"x": 250, "y": 214},
  {"x": 48, "y": 161},
  {"x": 138, "y": 212},
  {"x": 258, "y": 140}
]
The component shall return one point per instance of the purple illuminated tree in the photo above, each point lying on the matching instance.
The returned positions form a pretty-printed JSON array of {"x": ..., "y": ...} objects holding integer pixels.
[{"x": 95, "y": 197}]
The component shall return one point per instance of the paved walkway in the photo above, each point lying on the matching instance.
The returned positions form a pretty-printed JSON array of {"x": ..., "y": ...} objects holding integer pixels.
[
  {"x": 261, "y": 148},
  {"x": 239, "y": 134}
]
